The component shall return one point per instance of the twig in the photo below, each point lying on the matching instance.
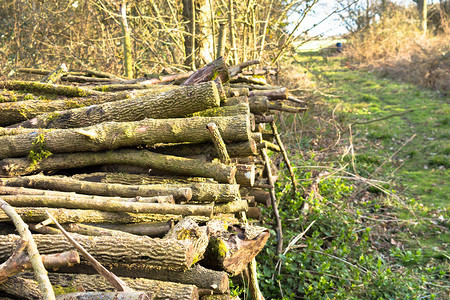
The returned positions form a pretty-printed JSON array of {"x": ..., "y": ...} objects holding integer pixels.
[
  {"x": 273, "y": 197},
  {"x": 35, "y": 258},
  {"x": 110, "y": 277},
  {"x": 340, "y": 259},
  {"x": 285, "y": 156}
]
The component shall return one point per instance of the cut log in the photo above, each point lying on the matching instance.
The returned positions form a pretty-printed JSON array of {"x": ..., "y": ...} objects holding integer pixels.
[
  {"x": 269, "y": 145},
  {"x": 149, "y": 88},
  {"x": 38, "y": 214},
  {"x": 254, "y": 213},
  {"x": 233, "y": 248},
  {"x": 219, "y": 143},
  {"x": 106, "y": 205},
  {"x": 213, "y": 70},
  {"x": 129, "y": 295},
  {"x": 245, "y": 174},
  {"x": 231, "y": 207},
  {"x": 90, "y": 230},
  {"x": 202, "y": 191},
  {"x": 236, "y": 101},
  {"x": 224, "y": 111},
  {"x": 96, "y": 188},
  {"x": 231, "y": 91},
  {"x": 188, "y": 229},
  {"x": 170, "y": 104},
  {"x": 264, "y": 119},
  {"x": 15, "y": 112},
  {"x": 143, "y": 158},
  {"x": 236, "y": 69},
  {"x": 177, "y": 255},
  {"x": 20, "y": 261},
  {"x": 155, "y": 289},
  {"x": 279, "y": 94},
  {"x": 112, "y": 135}
]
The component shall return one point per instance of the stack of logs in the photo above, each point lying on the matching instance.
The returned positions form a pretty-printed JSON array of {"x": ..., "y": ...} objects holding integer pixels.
[{"x": 158, "y": 179}]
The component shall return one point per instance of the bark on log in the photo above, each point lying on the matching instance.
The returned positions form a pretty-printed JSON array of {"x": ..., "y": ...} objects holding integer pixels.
[
  {"x": 38, "y": 214},
  {"x": 279, "y": 94},
  {"x": 245, "y": 174},
  {"x": 170, "y": 104},
  {"x": 188, "y": 229},
  {"x": 111, "y": 206},
  {"x": 233, "y": 248},
  {"x": 144, "y": 158},
  {"x": 255, "y": 86},
  {"x": 231, "y": 207},
  {"x": 112, "y": 135},
  {"x": 22, "y": 288},
  {"x": 235, "y": 149},
  {"x": 150, "y": 229},
  {"x": 211, "y": 71},
  {"x": 219, "y": 144},
  {"x": 224, "y": 111},
  {"x": 177, "y": 255},
  {"x": 96, "y": 188},
  {"x": 90, "y": 230},
  {"x": 236, "y": 101},
  {"x": 236, "y": 69}
]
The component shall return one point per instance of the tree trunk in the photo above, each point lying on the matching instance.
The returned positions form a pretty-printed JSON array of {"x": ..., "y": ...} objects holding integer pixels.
[
  {"x": 112, "y": 135},
  {"x": 143, "y": 158},
  {"x": 189, "y": 38},
  {"x": 127, "y": 58},
  {"x": 171, "y": 104},
  {"x": 222, "y": 39},
  {"x": 96, "y": 188},
  {"x": 170, "y": 254}
]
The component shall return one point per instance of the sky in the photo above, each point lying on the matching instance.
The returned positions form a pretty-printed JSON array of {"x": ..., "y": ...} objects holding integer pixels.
[{"x": 333, "y": 25}]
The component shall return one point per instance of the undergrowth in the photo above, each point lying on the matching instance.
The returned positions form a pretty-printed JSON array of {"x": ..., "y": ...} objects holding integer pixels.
[{"x": 371, "y": 218}]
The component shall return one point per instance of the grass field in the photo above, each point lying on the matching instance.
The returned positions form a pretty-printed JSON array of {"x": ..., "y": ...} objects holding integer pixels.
[{"x": 372, "y": 156}]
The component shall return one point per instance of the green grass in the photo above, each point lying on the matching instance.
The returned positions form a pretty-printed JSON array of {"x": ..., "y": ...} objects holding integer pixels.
[{"x": 377, "y": 199}]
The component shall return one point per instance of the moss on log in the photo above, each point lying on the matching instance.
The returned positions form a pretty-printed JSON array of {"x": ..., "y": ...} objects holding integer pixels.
[
  {"x": 112, "y": 135},
  {"x": 39, "y": 87}
]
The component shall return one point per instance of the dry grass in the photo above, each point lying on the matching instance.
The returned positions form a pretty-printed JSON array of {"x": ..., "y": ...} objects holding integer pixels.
[{"x": 395, "y": 47}]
